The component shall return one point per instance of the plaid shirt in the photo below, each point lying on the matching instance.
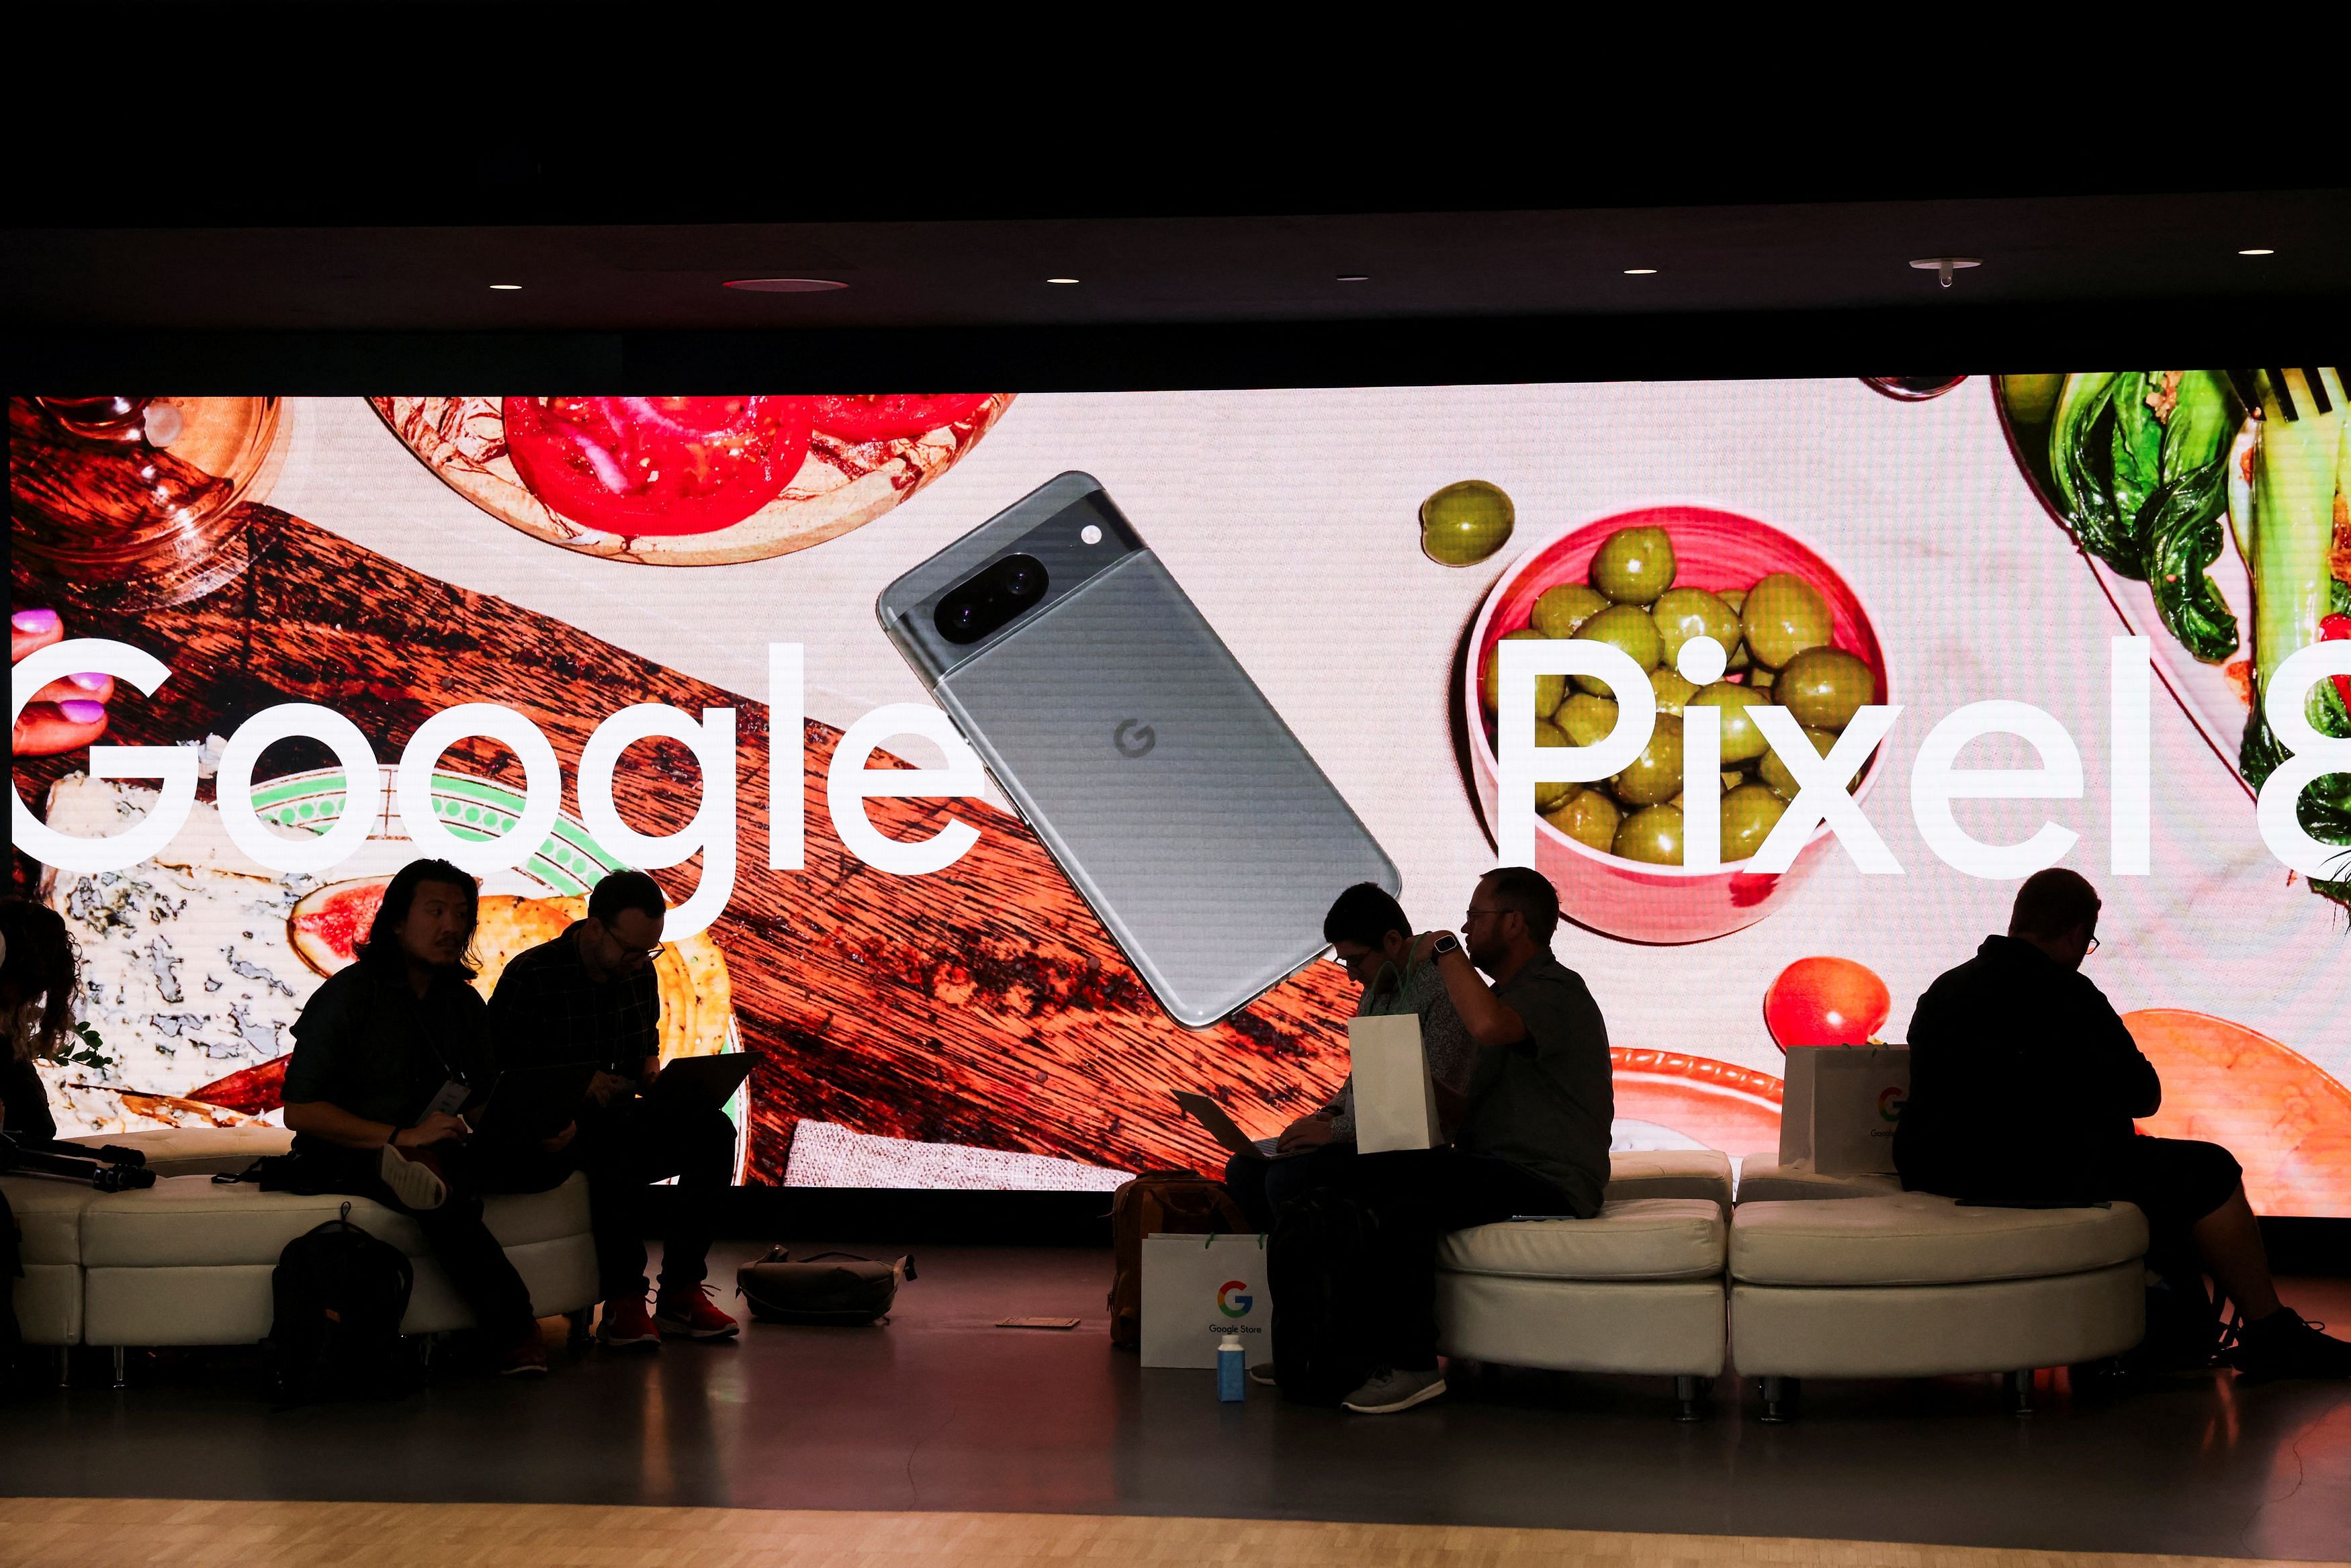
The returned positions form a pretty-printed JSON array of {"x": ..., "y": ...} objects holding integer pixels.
[{"x": 547, "y": 1010}]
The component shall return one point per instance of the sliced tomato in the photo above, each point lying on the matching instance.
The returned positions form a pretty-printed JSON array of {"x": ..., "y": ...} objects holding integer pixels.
[
  {"x": 892, "y": 416},
  {"x": 2335, "y": 628},
  {"x": 656, "y": 465}
]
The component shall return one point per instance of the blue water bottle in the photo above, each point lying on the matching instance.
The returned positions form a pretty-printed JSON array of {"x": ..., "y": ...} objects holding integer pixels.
[{"x": 1232, "y": 1370}]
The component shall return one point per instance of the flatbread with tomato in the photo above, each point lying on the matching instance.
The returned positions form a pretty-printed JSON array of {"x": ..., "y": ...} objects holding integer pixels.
[{"x": 691, "y": 482}]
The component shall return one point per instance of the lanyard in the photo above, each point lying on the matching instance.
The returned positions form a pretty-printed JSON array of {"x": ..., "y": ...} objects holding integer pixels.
[{"x": 1371, "y": 1008}]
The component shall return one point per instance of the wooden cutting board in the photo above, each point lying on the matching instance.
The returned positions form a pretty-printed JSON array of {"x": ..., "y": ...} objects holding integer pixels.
[{"x": 983, "y": 1004}]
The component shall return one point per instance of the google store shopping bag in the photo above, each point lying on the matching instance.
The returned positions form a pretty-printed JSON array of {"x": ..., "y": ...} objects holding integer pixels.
[
  {"x": 1840, "y": 1106},
  {"x": 1198, "y": 1289},
  {"x": 1395, "y": 1103}
]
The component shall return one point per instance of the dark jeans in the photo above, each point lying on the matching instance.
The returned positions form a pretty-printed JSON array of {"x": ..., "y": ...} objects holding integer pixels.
[
  {"x": 625, "y": 1149},
  {"x": 1420, "y": 1196},
  {"x": 9, "y": 1270},
  {"x": 457, "y": 1236},
  {"x": 1264, "y": 1188}
]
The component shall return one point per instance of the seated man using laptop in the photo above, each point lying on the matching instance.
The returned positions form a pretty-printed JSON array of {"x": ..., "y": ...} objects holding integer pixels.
[{"x": 590, "y": 996}]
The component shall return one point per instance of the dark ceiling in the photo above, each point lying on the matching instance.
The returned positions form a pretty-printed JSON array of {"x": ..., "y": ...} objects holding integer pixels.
[{"x": 345, "y": 228}]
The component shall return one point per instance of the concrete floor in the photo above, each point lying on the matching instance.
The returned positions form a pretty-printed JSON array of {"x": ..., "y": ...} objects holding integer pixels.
[{"x": 942, "y": 1410}]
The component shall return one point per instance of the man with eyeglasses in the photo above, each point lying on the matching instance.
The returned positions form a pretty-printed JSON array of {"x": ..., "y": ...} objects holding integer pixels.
[
  {"x": 1532, "y": 1138},
  {"x": 2023, "y": 1086},
  {"x": 591, "y": 995}
]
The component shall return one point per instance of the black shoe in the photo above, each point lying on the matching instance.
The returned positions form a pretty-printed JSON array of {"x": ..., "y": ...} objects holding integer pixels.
[{"x": 2284, "y": 1345}]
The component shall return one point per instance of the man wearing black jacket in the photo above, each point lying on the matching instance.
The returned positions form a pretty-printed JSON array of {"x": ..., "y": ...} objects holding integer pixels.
[{"x": 2023, "y": 1087}]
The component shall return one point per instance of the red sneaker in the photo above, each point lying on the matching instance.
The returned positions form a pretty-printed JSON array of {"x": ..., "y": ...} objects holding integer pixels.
[
  {"x": 694, "y": 1317},
  {"x": 526, "y": 1357},
  {"x": 627, "y": 1324}
]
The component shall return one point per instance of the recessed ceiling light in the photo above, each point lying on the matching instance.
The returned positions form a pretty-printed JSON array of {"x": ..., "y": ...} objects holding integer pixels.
[
  {"x": 506, "y": 287},
  {"x": 1640, "y": 271},
  {"x": 1354, "y": 278},
  {"x": 786, "y": 284},
  {"x": 2257, "y": 252},
  {"x": 1060, "y": 280}
]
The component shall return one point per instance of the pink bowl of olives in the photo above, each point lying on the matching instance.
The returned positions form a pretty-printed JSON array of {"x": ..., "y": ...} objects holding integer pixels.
[{"x": 1646, "y": 582}]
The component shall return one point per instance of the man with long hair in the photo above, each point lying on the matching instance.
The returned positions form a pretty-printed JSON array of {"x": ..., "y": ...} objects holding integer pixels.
[
  {"x": 590, "y": 996},
  {"x": 382, "y": 1054}
]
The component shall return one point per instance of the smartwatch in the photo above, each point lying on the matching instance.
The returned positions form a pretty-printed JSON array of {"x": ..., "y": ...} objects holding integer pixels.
[{"x": 1448, "y": 943}]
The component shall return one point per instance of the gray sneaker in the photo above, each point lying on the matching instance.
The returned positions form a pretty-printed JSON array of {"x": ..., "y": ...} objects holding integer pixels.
[
  {"x": 1385, "y": 1393},
  {"x": 1262, "y": 1374},
  {"x": 417, "y": 1185}
]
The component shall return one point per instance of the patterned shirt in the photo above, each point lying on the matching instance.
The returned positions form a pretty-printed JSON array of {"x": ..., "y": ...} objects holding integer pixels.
[{"x": 548, "y": 1011}]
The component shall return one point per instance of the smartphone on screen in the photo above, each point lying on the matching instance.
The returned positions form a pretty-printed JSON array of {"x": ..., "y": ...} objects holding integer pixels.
[{"x": 1135, "y": 746}]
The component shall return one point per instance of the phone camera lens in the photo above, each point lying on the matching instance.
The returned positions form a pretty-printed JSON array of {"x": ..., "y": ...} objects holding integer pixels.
[{"x": 1022, "y": 579}]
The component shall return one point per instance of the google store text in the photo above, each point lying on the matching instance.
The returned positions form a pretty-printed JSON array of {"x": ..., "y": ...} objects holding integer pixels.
[{"x": 1821, "y": 801}]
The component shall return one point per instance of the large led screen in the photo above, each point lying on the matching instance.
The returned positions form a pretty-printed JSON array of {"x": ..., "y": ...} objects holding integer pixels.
[{"x": 984, "y": 864}]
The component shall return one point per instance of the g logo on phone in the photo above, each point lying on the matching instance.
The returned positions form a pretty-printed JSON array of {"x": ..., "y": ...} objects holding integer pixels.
[{"x": 1133, "y": 738}]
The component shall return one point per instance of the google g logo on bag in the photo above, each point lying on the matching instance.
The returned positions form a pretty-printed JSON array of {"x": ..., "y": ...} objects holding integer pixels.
[
  {"x": 1890, "y": 1101},
  {"x": 1232, "y": 1304}
]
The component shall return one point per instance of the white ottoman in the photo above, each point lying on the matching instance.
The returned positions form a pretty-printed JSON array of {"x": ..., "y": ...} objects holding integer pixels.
[
  {"x": 1912, "y": 1286},
  {"x": 188, "y": 1261},
  {"x": 197, "y": 1151},
  {"x": 48, "y": 1219},
  {"x": 1702, "y": 1173},
  {"x": 1638, "y": 1289},
  {"x": 1763, "y": 1179}
]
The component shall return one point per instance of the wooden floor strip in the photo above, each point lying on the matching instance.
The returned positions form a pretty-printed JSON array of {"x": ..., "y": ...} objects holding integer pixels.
[{"x": 81, "y": 1532}]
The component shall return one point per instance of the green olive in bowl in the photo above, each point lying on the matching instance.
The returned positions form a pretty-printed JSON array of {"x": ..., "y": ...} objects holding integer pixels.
[
  {"x": 1590, "y": 818},
  {"x": 1743, "y": 741},
  {"x": 1824, "y": 688},
  {"x": 1784, "y": 615},
  {"x": 1670, "y": 689},
  {"x": 1629, "y": 629},
  {"x": 1656, "y": 775},
  {"x": 1775, "y": 773},
  {"x": 1654, "y": 835},
  {"x": 1588, "y": 720},
  {"x": 1563, "y": 609},
  {"x": 1547, "y": 796},
  {"x": 1635, "y": 566},
  {"x": 1549, "y": 689},
  {"x": 1749, "y": 815},
  {"x": 1466, "y": 522},
  {"x": 1682, "y": 614}
]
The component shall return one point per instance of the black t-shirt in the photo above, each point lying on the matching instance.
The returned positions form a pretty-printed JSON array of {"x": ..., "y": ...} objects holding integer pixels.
[
  {"x": 25, "y": 1100},
  {"x": 2022, "y": 1078},
  {"x": 1545, "y": 1102},
  {"x": 368, "y": 1045},
  {"x": 548, "y": 1012}
]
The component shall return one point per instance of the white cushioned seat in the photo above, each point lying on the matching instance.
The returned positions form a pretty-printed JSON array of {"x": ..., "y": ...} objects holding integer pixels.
[
  {"x": 1762, "y": 1179},
  {"x": 1918, "y": 1239},
  {"x": 197, "y": 1151},
  {"x": 1645, "y": 1238},
  {"x": 194, "y": 1220},
  {"x": 189, "y": 1261},
  {"x": 1703, "y": 1173},
  {"x": 1637, "y": 1288},
  {"x": 48, "y": 1299}
]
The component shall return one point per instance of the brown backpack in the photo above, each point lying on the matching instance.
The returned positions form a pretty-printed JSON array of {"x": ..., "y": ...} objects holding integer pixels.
[{"x": 1159, "y": 1201}]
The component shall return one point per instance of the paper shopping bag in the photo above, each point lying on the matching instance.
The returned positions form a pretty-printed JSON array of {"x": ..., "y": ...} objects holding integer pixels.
[
  {"x": 1395, "y": 1103},
  {"x": 1839, "y": 1108},
  {"x": 1198, "y": 1289}
]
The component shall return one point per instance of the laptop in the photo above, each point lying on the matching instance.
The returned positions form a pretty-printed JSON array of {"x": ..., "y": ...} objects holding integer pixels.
[
  {"x": 1225, "y": 1130},
  {"x": 703, "y": 1081},
  {"x": 533, "y": 1102}
]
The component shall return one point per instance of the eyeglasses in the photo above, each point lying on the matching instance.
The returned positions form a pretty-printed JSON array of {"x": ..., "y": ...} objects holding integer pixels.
[
  {"x": 1475, "y": 912},
  {"x": 2092, "y": 947}
]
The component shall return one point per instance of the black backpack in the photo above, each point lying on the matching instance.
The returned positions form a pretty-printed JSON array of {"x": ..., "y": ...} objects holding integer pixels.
[
  {"x": 1319, "y": 1264},
  {"x": 337, "y": 1296}
]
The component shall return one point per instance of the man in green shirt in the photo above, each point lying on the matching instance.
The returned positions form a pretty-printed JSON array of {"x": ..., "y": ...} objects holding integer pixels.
[{"x": 1534, "y": 1137}]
